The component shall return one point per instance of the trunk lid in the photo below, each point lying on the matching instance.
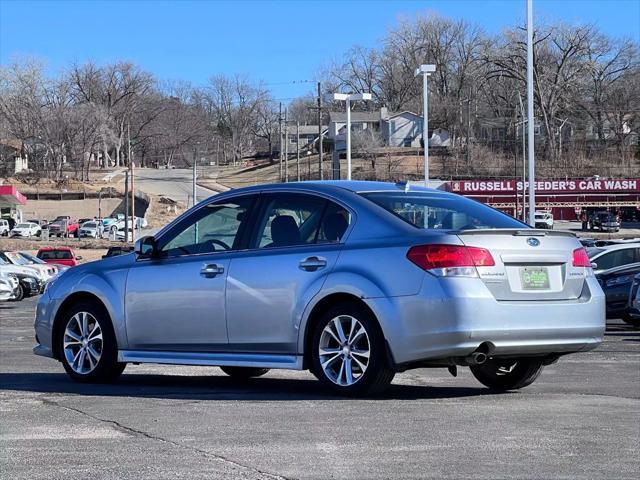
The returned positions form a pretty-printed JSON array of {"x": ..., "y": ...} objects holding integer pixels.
[{"x": 530, "y": 264}]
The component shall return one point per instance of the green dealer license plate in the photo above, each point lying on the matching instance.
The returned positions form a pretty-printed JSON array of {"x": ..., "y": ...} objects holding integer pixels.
[{"x": 534, "y": 278}]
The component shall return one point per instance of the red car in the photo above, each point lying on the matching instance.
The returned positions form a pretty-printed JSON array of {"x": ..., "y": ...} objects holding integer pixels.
[{"x": 59, "y": 256}]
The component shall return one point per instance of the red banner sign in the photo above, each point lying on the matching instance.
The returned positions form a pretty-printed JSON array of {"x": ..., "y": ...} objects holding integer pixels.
[{"x": 546, "y": 186}]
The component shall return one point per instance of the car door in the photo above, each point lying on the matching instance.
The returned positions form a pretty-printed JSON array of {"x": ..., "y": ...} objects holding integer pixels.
[
  {"x": 295, "y": 243},
  {"x": 176, "y": 301}
]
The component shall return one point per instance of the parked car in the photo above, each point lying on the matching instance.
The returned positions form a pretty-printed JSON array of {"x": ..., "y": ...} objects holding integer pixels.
[
  {"x": 62, "y": 227},
  {"x": 616, "y": 284},
  {"x": 29, "y": 282},
  {"x": 605, "y": 221},
  {"x": 26, "y": 230},
  {"x": 4, "y": 227},
  {"x": 85, "y": 220},
  {"x": 118, "y": 250},
  {"x": 109, "y": 225},
  {"x": 33, "y": 260},
  {"x": 544, "y": 220},
  {"x": 90, "y": 229},
  {"x": 8, "y": 286},
  {"x": 612, "y": 256},
  {"x": 330, "y": 276},
  {"x": 59, "y": 256},
  {"x": 43, "y": 271},
  {"x": 634, "y": 302}
]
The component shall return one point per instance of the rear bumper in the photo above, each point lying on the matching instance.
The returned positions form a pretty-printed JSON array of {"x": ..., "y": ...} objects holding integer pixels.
[{"x": 453, "y": 317}]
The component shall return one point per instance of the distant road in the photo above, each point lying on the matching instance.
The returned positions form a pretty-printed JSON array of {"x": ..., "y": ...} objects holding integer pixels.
[{"x": 176, "y": 184}]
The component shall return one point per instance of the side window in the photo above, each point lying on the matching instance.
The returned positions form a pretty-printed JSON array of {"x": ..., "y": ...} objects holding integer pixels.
[
  {"x": 288, "y": 220},
  {"x": 616, "y": 258},
  {"x": 214, "y": 228},
  {"x": 335, "y": 222}
]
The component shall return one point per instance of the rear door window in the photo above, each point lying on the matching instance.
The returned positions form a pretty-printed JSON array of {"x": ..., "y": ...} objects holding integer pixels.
[{"x": 441, "y": 211}]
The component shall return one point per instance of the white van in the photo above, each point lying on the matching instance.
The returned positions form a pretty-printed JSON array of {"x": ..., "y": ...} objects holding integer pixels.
[{"x": 4, "y": 227}]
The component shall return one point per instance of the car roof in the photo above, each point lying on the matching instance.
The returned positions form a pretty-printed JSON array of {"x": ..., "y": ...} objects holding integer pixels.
[
  {"x": 336, "y": 186},
  {"x": 619, "y": 246}
]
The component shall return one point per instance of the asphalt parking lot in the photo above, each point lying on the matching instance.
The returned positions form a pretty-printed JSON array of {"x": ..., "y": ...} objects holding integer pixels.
[{"x": 581, "y": 419}]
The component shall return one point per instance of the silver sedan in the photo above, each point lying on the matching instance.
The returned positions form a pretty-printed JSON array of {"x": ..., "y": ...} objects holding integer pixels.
[{"x": 353, "y": 280}]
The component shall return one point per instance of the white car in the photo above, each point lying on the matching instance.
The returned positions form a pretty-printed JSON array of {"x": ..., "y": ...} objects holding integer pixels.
[
  {"x": 612, "y": 256},
  {"x": 26, "y": 229},
  {"x": 544, "y": 220},
  {"x": 4, "y": 227},
  {"x": 44, "y": 271},
  {"x": 90, "y": 229},
  {"x": 8, "y": 286}
]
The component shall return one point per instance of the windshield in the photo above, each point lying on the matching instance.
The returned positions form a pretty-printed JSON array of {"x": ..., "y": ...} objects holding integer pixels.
[
  {"x": 23, "y": 225},
  {"x": 15, "y": 258},
  {"x": 89, "y": 225},
  {"x": 30, "y": 258},
  {"x": 443, "y": 211}
]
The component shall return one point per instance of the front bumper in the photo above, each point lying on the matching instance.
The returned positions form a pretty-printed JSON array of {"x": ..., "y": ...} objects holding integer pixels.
[{"x": 453, "y": 317}]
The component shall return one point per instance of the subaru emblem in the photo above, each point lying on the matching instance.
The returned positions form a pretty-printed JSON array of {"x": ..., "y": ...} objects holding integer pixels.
[{"x": 533, "y": 242}]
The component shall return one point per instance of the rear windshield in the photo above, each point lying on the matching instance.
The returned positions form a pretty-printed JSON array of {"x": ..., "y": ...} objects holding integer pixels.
[
  {"x": 55, "y": 255},
  {"x": 442, "y": 211}
]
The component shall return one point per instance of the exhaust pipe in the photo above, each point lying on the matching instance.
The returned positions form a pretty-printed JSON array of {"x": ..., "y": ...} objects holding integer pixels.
[{"x": 476, "y": 358}]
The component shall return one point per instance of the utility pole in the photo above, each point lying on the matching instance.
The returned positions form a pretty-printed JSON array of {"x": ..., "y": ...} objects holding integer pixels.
[
  {"x": 286, "y": 147},
  {"x": 280, "y": 139},
  {"x": 532, "y": 191},
  {"x": 320, "y": 146},
  {"x": 298, "y": 150},
  {"x": 133, "y": 195},
  {"x": 126, "y": 204},
  {"x": 524, "y": 161},
  {"x": 193, "y": 186}
]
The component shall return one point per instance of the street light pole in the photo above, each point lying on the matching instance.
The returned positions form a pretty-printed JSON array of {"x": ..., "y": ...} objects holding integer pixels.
[
  {"x": 531, "y": 125},
  {"x": 348, "y": 97},
  {"x": 425, "y": 71}
]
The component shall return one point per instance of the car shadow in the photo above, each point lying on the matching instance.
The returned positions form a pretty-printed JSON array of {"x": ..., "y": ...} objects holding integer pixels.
[{"x": 215, "y": 388}]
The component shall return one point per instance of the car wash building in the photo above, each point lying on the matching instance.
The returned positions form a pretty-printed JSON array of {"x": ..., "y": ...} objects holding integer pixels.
[
  {"x": 11, "y": 203},
  {"x": 564, "y": 198}
]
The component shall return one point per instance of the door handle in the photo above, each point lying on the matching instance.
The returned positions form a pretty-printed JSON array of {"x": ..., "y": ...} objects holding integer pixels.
[
  {"x": 210, "y": 270},
  {"x": 311, "y": 264}
]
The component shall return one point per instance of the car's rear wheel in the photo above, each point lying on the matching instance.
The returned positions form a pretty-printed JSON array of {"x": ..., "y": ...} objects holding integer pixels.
[
  {"x": 244, "y": 373},
  {"x": 508, "y": 373},
  {"x": 348, "y": 351},
  {"x": 87, "y": 343}
]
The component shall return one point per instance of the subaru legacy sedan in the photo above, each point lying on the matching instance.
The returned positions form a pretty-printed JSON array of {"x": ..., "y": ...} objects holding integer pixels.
[{"x": 354, "y": 281}]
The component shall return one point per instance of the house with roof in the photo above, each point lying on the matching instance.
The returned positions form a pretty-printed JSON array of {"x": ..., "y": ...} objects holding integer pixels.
[
  {"x": 308, "y": 137},
  {"x": 401, "y": 129},
  {"x": 337, "y": 132}
]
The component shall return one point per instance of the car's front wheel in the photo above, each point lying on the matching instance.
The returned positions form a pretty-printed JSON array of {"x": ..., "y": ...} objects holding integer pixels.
[
  {"x": 88, "y": 347},
  {"x": 348, "y": 351},
  {"x": 508, "y": 373},
  {"x": 244, "y": 373}
]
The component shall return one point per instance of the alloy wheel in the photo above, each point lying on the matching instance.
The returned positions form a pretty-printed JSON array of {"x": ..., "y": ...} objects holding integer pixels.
[
  {"x": 344, "y": 350},
  {"x": 82, "y": 343}
]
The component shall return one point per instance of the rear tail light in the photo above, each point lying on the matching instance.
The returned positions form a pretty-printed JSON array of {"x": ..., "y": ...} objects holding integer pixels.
[
  {"x": 580, "y": 258},
  {"x": 450, "y": 260}
]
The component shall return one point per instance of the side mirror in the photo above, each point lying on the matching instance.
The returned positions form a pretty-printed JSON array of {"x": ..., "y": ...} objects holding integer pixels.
[
  {"x": 594, "y": 265},
  {"x": 146, "y": 247},
  {"x": 78, "y": 257}
]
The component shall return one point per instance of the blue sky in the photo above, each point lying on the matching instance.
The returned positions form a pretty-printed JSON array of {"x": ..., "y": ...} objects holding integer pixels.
[{"x": 275, "y": 41}]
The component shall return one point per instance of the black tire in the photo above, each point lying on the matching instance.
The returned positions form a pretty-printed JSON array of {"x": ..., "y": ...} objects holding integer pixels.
[
  {"x": 244, "y": 373},
  {"x": 508, "y": 374},
  {"x": 377, "y": 375},
  {"x": 19, "y": 295},
  {"x": 107, "y": 368}
]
